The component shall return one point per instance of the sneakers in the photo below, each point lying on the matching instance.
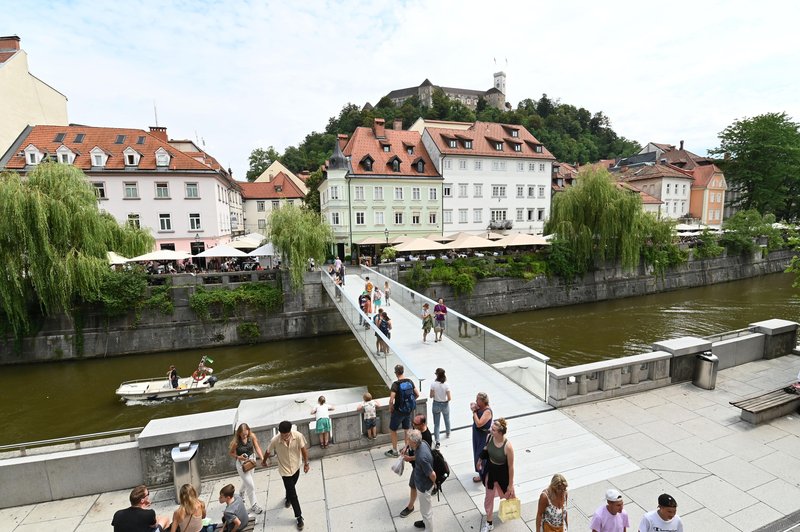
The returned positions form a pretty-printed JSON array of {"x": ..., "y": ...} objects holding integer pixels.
[
  {"x": 419, "y": 524},
  {"x": 256, "y": 509},
  {"x": 437, "y": 444},
  {"x": 300, "y": 523},
  {"x": 405, "y": 512},
  {"x": 286, "y": 503},
  {"x": 487, "y": 526},
  {"x": 392, "y": 452}
]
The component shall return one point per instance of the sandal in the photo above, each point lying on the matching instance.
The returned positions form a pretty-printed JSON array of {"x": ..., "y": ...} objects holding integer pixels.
[{"x": 476, "y": 479}]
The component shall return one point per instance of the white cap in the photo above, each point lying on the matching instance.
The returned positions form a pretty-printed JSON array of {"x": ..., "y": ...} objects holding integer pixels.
[{"x": 613, "y": 495}]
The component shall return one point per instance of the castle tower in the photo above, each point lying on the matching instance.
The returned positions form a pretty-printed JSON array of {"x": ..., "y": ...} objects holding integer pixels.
[{"x": 500, "y": 81}]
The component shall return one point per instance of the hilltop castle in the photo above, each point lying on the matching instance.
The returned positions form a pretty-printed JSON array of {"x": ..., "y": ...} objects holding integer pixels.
[{"x": 495, "y": 97}]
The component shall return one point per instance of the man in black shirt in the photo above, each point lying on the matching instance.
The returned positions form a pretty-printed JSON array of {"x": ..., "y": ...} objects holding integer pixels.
[{"x": 139, "y": 517}]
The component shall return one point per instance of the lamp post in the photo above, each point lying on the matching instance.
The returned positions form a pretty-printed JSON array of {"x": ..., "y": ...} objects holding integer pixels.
[{"x": 386, "y": 234}]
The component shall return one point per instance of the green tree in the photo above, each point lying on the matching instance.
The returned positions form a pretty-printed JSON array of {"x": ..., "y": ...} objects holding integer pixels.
[
  {"x": 312, "y": 183},
  {"x": 744, "y": 230},
  {"x": 53, "y": 243},
  {"x": 763, "y": 163},
  {"x": 299, "y": 234},
  {"x": 260, "y": 160}
]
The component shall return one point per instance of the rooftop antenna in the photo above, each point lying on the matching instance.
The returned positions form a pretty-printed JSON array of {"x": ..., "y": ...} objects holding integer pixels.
[{"x": 155, "y": 112}]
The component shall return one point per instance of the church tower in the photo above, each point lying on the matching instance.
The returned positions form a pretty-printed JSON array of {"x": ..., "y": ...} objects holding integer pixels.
[{"x": 500, "y": 82}]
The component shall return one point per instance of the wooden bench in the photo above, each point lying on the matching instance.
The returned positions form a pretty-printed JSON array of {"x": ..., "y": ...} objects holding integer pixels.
[{"x": 768, "y": 406}]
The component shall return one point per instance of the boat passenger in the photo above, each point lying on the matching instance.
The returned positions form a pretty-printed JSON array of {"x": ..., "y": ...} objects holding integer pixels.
[{"x": 172, "y": 375}]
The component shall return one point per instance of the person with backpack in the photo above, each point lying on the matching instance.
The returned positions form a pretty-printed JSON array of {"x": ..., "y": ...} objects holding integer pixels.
[
  {"x": 366, "y": 307},
  {"x": 424, "y": 477},
  {"x": 402, "y": 403},
  {"x": 386, "y": 328}
]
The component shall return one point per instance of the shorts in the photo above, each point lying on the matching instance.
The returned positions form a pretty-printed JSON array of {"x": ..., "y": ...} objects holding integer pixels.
[
  {"x": 377, "y": 302},
  {"x": 370, "y": 422},
  {"x": 439, "y": 325},
  {"x": 399, "y": 419},
  {"x": 323, "y": 425}
]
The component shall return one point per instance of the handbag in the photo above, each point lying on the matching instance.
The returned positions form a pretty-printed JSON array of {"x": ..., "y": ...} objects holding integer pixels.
[
  {"x": 248, "y": 465},
  {"x": 510, "y": 509}
]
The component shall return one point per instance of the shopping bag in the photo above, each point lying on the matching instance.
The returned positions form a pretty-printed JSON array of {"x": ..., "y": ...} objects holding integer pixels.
[
  {"x": 397, "y": 467},
  {"x": 510, "y": 509}
]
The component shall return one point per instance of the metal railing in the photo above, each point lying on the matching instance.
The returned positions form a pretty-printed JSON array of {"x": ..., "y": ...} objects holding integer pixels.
[
  {"x": 518, "y": 362},
  {"x": 72, "y": 441}
]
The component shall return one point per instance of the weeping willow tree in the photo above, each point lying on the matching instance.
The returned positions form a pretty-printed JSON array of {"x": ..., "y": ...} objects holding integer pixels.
[
  {"x": 597, "y": 221},
  {"x": 299, "y": 234},
  {"x": 53, "y": 243}
]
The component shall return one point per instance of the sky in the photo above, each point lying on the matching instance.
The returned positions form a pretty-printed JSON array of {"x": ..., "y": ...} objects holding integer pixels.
[{"x": 239, "y": 75}]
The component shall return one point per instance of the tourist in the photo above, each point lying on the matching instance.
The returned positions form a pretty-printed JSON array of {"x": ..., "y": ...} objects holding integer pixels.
[
  {"x": 139, "y": 517},
  {"x": 387, "y": 291},
  {"x": 369, "y": 407},
  {"x": 386, "y": 328},
  {"x": 323, "y": 424},
  {"x": 191, "y": 512},
  {"x": 551, "y": 514},
  {"x": 363, "y": 303},
  {"x": 440, "y": 393},
  {"x": 402, "y": 402},
  {"x": 290, "y": 448},
  {"x": 337, "y": 264},
  {"x": 664, "y": 518},
  {"x": 498, "y": 477},
  {"x": 172, "y": 376},
  {"x": 235, "y": 516},
  {"x": 481, "y": 426},
  {"x": 427, "y": 322},
  {"x": 369, "y": 287},
  {"x": 421, "y": 425},
  {"x": 244, "y": 448},
  {"x": 424, "y": 477},
  {"x": 377, "y": 299},
  {"x": 610, "y": 517},
  {"x": 439, "y": 318},
  {"x": 379, "y": 344}
]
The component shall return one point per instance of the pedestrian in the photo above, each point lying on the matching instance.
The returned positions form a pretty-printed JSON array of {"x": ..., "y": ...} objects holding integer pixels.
[
  {"x": 323, "y": 424},
  {"x": 244, "y": 448},
  {"x": 611, "y": 517},
  {"x": 377, "y": 299},
  {"x": 551, "y": 514},
  {"x": 440, "y": 393},
  {"x": 664, "y": 518},
  {"x": 369, "y": 407},
  {"x": 376, "y": 319},
  {"x": 424, "y": 478},
  {"x": 139, "y": 517},
  {"x": 234, "y": 517},
  {"x": 481, "y": 426},
  {"x": 191, "y": 512},
  {"x": 421, "y": 424},
  {"x": 402, "y": 403},
  {"x": 387, "y": 291},
  {"x": 337, "y": 264},
  {"x": 439, "y": 317},
  {"x": 498, "y": 477},
  {"x": 386, "y": 329},
  {"x": 363, "y": 303},
  {"x": 369, "y": 287},
  {"x": 427, "y": 322},
  {"x": 290, "y": 448}
]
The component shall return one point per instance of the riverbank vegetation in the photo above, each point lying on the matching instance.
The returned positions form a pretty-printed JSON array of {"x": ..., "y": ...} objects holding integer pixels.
[{"x": 227, "y": 303}]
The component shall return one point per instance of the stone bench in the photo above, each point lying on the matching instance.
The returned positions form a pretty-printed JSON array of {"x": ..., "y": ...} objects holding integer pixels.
[{"x": 768, "y": 406}]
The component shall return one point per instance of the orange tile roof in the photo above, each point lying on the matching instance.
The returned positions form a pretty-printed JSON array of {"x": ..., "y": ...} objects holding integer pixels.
[
  {"x": 703, "y": 175},
  {"x": 43, "y": 138},
  {"x": 279, "y": 187},
  {"x": 484, "y": 135},
  {"x": 646, "y": 198},
  {"x": 364, "y": 143},
  {"x": 655, "y": 171},
  {"x": 5, "y": 56}
]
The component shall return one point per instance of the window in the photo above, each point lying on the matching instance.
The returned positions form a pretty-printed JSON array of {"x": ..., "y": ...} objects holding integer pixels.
[
  {"x": 520, "y": 167},
  {"x": 79, "y": 138},
  {"x": 540, "y": 214},
  {"x": 162, "y": 190},
  {"x": 448, "y": 164},
  {"x": 683, "y": 190},
  {"x": 468, "y": 144},
  {"x": 499, "y": 215},
  {"x": 360, "y": 218},
  {"x": 432, "y": 193},
  {"x": 396, "y": 165},
  {"x": 398, "y": 218},
  {"x": 131, "y": 191},
  {"x": 541, "y": 167},
  {"x": 334, "y": 218},
  {"x": 668, "y": 188},
  {"x": 432, "y": 218},
  {"x": 386, "y": 147},
  {"x": 260, "y": 206},
  {"x": 398, "y": 193},
  {"x": 120, "y": 139},
  {"x": 98, "y": 160},
  {"x": 262, "y": 223},
  {"x": 478, "y": 165},
  {"x": 359, "y": 191},
  {"x": 462, "y": 190},
  {"x": 165, "y": 222},
  {"x": 462, "y": 215},
  {"x": 478, "y": 190},
  {"x": 100, "y": 190},
  {"x": 477, "y": 216},
  {"x": 133, "y": 221},
  {"x": 410, "y": 150},
  {"x": 447, "y": 190},
  {"x": 462, "y": 164},
  {"x": 498, "y": 191},
  {"x": 675, "y": 207},
  {"x": 415, "y": 218},
  {"x": 140, "y": 139},
  {"x": 192, "y": 190},
  {"x": 531, "y": 215},
  {"x": 447, "y": 216},
  {"x": 335, "y": 192},
  {"x": 452, "y": 143},
  {"x": 379, "y": 218},
  {"x": 541, "y": 191},
  {"x": 520, "y": 191},
  {"x": 194, "y": 222},
  {"x": 520, "y": 215},
  {"x": 531, "y": 167},
  {"x": 162, "y": 157},
  {"x": 538, "y": 148},
  {"x": 416, "y": 194},
  {"x": 420, "y": 166},
  {"x": 276, "y": 204},
  {"x": 531, "y": 191},
  {"x": 377, "y": 193},
  {"x": 517, "y": 147},
  {"x": 498, "y": 146},
  {"x": 368, "y": 164},
  {"x": 515, "y": 133},
  {"x": 683, "y": 207},
  {"x": 498, "y": 165},
  {"x": 131, "y": 159}
]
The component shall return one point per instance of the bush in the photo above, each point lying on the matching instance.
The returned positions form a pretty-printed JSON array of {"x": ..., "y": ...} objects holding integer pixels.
[
  {"x": 418, "y": 278},
  {"x": 160, "y": 299},
  {"x": 258, "y": 296},
  {"x": 462, "y": 284},
  {"x": 707, "y": 246},
  {"x": 248, "y": 331}
]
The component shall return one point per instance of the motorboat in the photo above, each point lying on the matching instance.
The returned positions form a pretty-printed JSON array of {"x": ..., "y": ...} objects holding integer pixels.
[{"x": 201, "y": 381}]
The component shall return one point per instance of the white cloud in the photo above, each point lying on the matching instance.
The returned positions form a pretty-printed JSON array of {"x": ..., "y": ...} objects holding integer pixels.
[{"x": 243, "y": 75}]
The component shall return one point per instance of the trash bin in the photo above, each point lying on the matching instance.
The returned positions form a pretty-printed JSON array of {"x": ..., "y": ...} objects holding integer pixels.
[
  {"x": 185, "y": 467},
  {"x": 705, "y": 370}
]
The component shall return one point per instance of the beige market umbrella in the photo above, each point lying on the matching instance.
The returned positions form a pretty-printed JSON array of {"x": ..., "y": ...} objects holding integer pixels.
[
  {"x": 245, "y": 243},
  {"x": 494, "y": 236},
  {"x": 162, "y": 254},
  {"x": 419, "y": 244},
  {"x": 521, "y": 239},
  {"x": 399, "y": 239},
  {"x": 460, "y": 234},
  {"x": 438, "y": 238},
  {"x": 371, "y": 241},
  {"x": 222, "y": 251},
  {"x": 473, "y": 242},
  {"x": 115, "y": 259}
]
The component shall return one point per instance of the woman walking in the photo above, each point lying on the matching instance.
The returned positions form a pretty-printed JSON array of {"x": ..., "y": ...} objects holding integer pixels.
[
  {"x": 499, "y": 475},
  {"x": 440, "y": 393},
  {"x": 427, "y": 322},
  {"x": 244, "y": 448},
  {"x": 190, "y": 514},
  {"x": 551, "y": 515},
  {"x": 481, "y": 425}
]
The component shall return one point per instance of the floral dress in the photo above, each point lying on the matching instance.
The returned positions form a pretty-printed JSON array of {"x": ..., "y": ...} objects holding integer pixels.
[{"x": 553, "y": 515}]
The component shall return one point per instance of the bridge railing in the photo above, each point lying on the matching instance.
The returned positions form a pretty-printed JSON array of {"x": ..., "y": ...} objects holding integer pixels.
[{"x": 518, "y": 362}]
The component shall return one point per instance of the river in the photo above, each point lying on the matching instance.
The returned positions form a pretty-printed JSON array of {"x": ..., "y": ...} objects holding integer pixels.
[{"x": 57, "y": 399}]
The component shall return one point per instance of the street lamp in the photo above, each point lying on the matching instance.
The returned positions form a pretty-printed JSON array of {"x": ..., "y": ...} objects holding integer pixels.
[{"x": 386, "y": 234}]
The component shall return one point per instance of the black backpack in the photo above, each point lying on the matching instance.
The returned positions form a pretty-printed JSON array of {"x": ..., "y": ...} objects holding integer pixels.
[{"x": 441, "y": 468}]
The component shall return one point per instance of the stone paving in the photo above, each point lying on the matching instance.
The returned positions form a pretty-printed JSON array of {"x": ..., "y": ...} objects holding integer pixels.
[{"x": 725, "y": 474}]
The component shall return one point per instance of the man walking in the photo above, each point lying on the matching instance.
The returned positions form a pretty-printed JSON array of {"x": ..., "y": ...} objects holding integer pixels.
[
  {"x": 420, "y": 424},
  {"x": 139, "y": 517},
  {"x": 424, "y": 477},
  {"x": 439, "y": 319},
  {"x": 611, "y": 517},
  {"x": 290, "y": 448},
  {"x": 663, "y": 519},
  {"x": 402, "y": 403}
]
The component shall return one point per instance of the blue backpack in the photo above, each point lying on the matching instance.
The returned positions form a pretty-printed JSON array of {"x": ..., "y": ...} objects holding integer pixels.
[{"x": 405, "y": 401}]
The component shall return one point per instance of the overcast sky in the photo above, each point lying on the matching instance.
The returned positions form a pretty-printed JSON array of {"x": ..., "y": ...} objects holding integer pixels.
[{"x": 241, "y": 75}]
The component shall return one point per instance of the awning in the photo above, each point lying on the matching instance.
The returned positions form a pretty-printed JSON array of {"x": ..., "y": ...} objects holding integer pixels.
[
  {"x": 222, "y": 251},
  {"x": 162, "y": 254}
]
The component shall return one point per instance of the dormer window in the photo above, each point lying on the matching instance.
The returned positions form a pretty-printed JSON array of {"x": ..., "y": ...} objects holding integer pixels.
[
  {"x": 98, "y": 156},
  {"x": 410, "y": 150},
  {"x": 468, "y": 144},
  {"x": 131, "y": 156},
  {"x": 162, "y": 157},
  {"x": 420, "y": 166},
  {"x": 538, "y": 148},
  {"x": 515, "y": 133},
  {"x": 366, "y": 162},
  {"x": 33, "y": 155},
  {"x": 453, "y": 143},
  {"x": 386, "y": 147},
  {"x": 498, "y": 146},
  {"x": 394, "y": 162},
  {"x": 65, "y": 155},
  {"x": 278, "y": 188},
  {"x": 517, "y": 147}
]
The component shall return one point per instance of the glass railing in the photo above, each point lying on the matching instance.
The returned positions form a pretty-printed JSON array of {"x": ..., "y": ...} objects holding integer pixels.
[{"x": 520, "y": 363}]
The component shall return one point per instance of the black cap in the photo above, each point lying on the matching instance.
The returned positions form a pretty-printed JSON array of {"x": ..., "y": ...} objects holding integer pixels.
[{"x": 667, "y": 501}]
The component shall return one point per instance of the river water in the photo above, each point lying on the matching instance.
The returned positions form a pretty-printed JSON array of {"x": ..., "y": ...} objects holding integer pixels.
[{"x": 58, "y": 399}]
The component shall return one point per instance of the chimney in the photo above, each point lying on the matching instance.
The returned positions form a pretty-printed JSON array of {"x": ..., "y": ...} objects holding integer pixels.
[
  {"x": 341, "y": 139},
  {"x": 10, "y": 42},
  {"x": 159, "y": 133},
  {"x": 379, "y": 128},
  {"x": 398, "y": 124},
  {"x": 681, "y": 145}
]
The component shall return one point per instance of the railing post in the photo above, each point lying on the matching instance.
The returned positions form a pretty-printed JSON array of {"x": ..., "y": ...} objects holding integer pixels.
[
  {"x": 634, "y": 371},
  {"x": 583, "y": 384}
]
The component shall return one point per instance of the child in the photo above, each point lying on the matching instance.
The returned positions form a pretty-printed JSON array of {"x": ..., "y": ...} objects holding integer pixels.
[
  {"x": 369, "y": 406},
  {"x": 387, "y": 291},
  {"x": 377, "y": 299},
  {"x": 323, "y": 421}
]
